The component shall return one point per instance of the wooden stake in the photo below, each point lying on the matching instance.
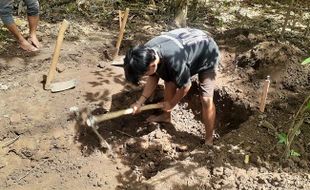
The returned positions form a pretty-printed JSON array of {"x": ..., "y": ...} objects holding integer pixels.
[
  {"x": 287, "y": 18},
  {"x": 121, "y": 33},
  {"x": 264, "y": 94},
  {"x": 52, "y": 71},
  {"x": 308, "y": 28},
  {"x": 120, "y": 18}
]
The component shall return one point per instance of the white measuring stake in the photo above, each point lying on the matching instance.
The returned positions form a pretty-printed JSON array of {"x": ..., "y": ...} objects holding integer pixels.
[{"x": 264, "y": 94}]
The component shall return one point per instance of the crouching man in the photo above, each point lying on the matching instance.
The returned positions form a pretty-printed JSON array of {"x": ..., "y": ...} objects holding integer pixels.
[{"x": 175, "y": 56}]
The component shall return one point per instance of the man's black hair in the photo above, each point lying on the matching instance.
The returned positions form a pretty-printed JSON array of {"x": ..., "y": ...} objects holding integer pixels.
[{"x": 136, "y": 63}]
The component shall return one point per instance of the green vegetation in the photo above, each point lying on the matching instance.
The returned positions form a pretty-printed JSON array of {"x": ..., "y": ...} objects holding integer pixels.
[
  {"x": 306, "y": 61},
  {"x": 298, "y": 121},
  {"x": 3, "y": 34}
]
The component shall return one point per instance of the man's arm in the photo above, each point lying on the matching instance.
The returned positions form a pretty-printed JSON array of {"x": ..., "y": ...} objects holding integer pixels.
[
  {"x": 180, "y": 93},
  {"x": 149, "y": 88}
]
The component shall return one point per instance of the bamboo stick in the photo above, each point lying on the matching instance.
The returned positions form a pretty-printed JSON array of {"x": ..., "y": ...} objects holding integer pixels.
[
  {"x": 287, "y": 18},
  {"x": 120, "y": 18},
  {"x": 308, "y": 28},
  {"x": 121, "y": 33}
]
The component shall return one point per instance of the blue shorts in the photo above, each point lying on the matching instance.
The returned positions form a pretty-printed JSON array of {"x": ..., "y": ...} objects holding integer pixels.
[{"x": 6, "y": 9}]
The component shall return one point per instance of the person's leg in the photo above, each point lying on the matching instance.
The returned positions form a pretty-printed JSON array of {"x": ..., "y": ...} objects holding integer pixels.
[
  {"x": 208, "y": 117},
  {"x": 207, "y": 83},
  {"x": 6, "y": 7},
  {"x": 33, "y": 19},
  {"x": 169, "y": 93}
]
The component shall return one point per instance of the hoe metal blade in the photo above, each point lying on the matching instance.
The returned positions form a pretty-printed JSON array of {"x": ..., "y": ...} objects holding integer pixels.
[{"x": 61, "y": 86}]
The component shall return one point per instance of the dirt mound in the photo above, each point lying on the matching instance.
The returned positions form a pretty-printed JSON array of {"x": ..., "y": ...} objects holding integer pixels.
[{"x": 280, "y": 61}]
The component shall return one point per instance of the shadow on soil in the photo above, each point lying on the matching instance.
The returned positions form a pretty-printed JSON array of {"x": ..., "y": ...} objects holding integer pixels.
[{"x": 151, "y": 148}]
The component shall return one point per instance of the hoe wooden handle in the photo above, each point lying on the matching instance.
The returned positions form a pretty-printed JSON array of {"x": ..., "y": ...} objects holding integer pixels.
[
  {"x": 52, "y": 71},
  {"x": 99, "y": 118}
]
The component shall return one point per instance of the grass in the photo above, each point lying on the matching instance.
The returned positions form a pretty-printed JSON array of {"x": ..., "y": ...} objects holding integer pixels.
[{"x": 3, "y": 34}]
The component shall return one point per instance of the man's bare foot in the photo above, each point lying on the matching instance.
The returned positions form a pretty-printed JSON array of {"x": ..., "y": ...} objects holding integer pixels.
[
  {"x": 34, "y": 41},
  {"x": 25, "y": 45},
  {"x": 166, "y": 118},
  {"x": 209, "y": 142}
]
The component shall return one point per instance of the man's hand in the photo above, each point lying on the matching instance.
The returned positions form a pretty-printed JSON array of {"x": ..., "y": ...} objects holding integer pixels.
[
  {"x": 180, "y": 93},
  {"x": 136, "y": 107}
]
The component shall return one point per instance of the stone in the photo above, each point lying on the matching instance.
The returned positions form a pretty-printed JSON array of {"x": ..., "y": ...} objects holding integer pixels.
[
  {"x": 239, "y": 90},
  {"x": 144, "y": 144},
  {"x": 99, "y": 184},
  {"x": 28, "y": 153},
  {"x": 303, "y": 164},
  {"x": 15, "y": 119},
  {"x": 181, "y": 148},
  {"x": 101, "y": 65},
  {"x": 60, "y": 68},
  {"x": 3, "y": 87},
  {"x": 261, "y": 180},
  {"x": 218, "y": 171},
  {"x": 130, "y": 143},
  {"x": 3, "y": 163}
]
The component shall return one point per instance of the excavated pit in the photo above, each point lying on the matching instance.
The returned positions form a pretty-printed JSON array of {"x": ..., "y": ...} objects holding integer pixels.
[
  {"x": 230, "y": 112},
  {"x": 149, "y": 148}
]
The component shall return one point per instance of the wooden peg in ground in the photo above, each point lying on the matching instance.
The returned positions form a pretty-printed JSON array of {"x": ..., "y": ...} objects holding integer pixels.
[
  {"x": 264, "y": 94},
  {"x": 121, "y": 33},
  {"x": 120, "y": 18}
]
